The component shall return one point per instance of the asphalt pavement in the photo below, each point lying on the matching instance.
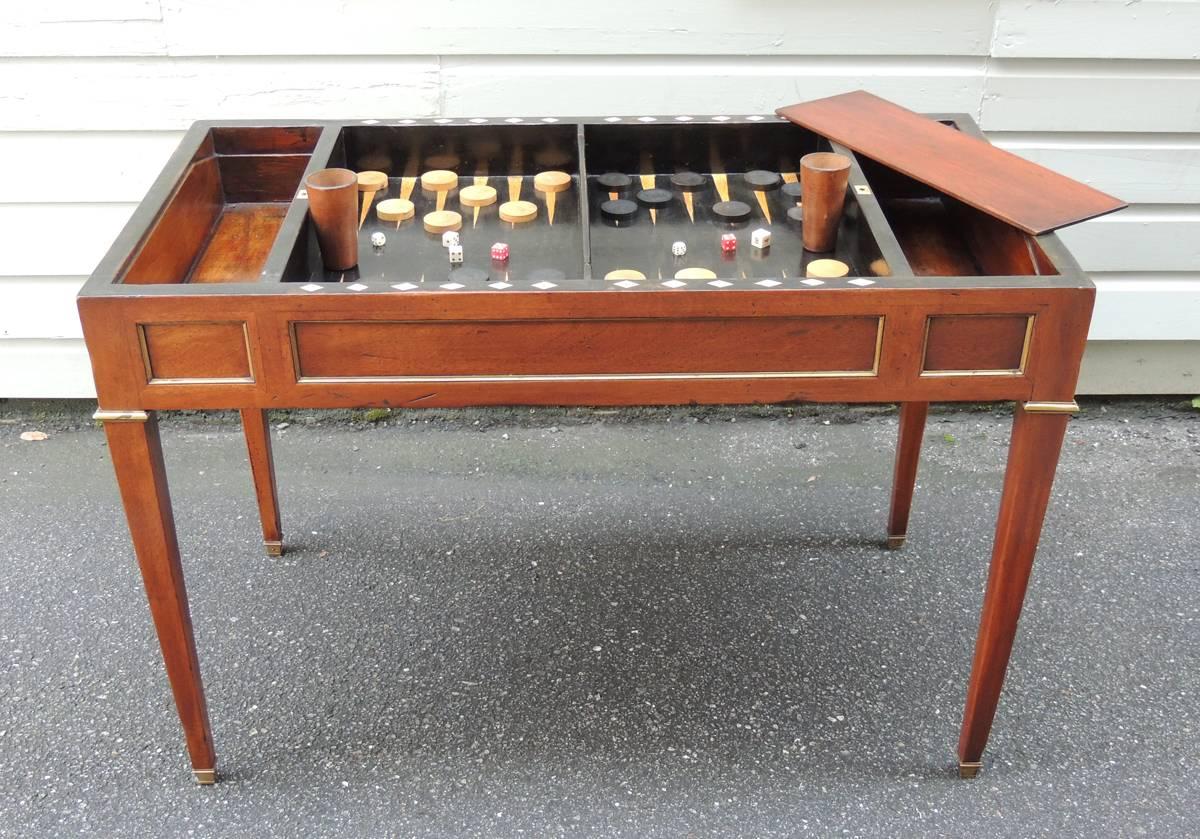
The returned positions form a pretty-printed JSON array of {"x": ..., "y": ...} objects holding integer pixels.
[{"x": 661, "y": 623}]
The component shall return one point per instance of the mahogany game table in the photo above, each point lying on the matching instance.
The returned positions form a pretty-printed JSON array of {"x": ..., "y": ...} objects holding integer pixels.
[{"x": 215, "y": 296}]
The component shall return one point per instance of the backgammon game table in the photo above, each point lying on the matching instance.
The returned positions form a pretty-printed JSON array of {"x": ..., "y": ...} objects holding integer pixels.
[{"x": 643, "y": 260}]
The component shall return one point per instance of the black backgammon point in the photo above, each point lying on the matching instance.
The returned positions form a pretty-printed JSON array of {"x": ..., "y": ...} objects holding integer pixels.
[
  {"x": 546, "y": 275},
  {"x": 468, "y": 275}
]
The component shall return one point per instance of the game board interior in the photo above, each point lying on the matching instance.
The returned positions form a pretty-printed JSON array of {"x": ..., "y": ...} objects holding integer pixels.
[{"x": 592, "y": 204}]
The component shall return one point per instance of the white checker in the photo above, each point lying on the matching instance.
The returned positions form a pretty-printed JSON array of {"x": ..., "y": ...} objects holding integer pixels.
[
  {"x": 310, "y": 287},
  {"x": 769, "y": 283},
  {"x": 545, "y": 285},
  {"x": 500, "y": 285},
  {"x": 720, "y": 283},
  {"x": 626, "y": 283},
  {"x": 404, "y": 286},
  {"x": 813, "y": 282},
  {"x": 861, "y": 283},
  {"x": 357, "y": 287},
  {"x": 674, "y": 283},
  {"x": 452, "y": 286}
]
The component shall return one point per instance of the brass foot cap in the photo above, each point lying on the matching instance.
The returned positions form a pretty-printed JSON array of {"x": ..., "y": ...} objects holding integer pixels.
[
  {"x": 274, "y": 548},
  {"x": 206, "y": 777},
  {"x": 895, "y": 542},
  {"x": 968, "y": 770}
]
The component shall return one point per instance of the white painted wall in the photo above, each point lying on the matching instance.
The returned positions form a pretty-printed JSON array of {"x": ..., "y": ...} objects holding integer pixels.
[{"x": 94, "y": 95}]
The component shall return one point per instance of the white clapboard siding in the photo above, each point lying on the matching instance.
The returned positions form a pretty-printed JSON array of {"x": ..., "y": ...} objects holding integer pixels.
[
  {"x": 57, "y": 239},
  {"x": 39, "y": 307},
  {"x": 1091, "y": 95},
  {"x": 486, "y": 85},
  {"x": 38, "y": 368},
  {"x": 93, "y": 166},
  {"x": 110, "y": 27},
  {"x": 483, "y": 27},
  {"x": 1142, "y": 238},
  {"x": 169, "y": 93},
  {"x": 1154, "y": 29},
  {"x": 1143, "y": 169},
  {"x": 1146, "y": 307}
]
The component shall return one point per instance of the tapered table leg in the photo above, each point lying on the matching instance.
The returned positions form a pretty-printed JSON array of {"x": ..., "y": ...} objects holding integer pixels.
[
  {"x": 136, "y": 453},
  {"x": 904, "y": 479},
  {"x": 262, "y": 467},
  {"x": 1032, "y": 458}
]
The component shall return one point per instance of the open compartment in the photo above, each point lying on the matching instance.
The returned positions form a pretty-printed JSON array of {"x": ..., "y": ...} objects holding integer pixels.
[
  {"x": 943, "y": 237},
  {"x": 720, "y": 153},
  {"x": 506, "y": 158},
  {"x": 219, "y": 223}
]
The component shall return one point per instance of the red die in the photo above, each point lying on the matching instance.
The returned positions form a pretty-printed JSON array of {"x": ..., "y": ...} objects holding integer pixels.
[
  {"x": 728, "y": 243},
  {"x": 499, "y": 251}
]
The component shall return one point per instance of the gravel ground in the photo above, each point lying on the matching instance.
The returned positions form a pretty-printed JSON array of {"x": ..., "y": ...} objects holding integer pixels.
[{"x": 582, "y": 623}]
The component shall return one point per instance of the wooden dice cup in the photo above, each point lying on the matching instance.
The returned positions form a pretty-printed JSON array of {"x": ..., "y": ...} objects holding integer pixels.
[
  {"x": 824, "y": 177},
  {"x": 333, "y": 207}
]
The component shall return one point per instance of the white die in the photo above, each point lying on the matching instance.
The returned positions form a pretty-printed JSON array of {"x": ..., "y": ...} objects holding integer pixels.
[
  {"x": 679, "y": 248},
  {"x": 456, "y": 253},
  {"x": 378, "y": 239},
  {"x": 450, "y": 239},
  {"x": 760, "y": 238}
]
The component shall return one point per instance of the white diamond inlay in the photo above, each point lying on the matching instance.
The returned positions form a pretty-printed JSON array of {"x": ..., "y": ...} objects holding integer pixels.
[
  {"x": 720, "y": 283},
  {"x": 769, "y": 283},
  {"x": 514, "y": 120},
  {"x": 674, "y": 283},
  {"x": 647, "y": 119},
  {"x": 612, "y": 119},
  {"x": 683, "y": 119},
  {"x": 404, "y": 286},
  {"x": 862, "y": 282},
  {"x": 500, "y": 285},
  {"x": 549, "y": 119},
  {"x": 755, "y": 118},
  {"x": 545, "y": 284},
  {"x": 722, "y": 119},
  {"x": 626, "y": 283},
  {"x": 370, "y": 122},
  {"x": 356, "y": 287},
  {"x": 813, "y": 282},
  {"x": 443, "y": 121},
  {"x": 311, "y": 287},
  {"x": 451, "y": 286},
  {"x": 478, "y": 120},
  {"x": 406, "y": 121}
]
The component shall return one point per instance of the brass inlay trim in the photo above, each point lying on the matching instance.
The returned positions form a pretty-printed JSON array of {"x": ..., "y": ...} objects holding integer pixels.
[
  {"x": 200, "y": 380},
  {"x": 941, "y": 374},
  {"x": 582, "y": 377},
  {"x": 1071, "y": 407},
  {"x": 969, "y": 770},
  {"x": 120, "y": 416},
  {"x": 205, "y": 776}
]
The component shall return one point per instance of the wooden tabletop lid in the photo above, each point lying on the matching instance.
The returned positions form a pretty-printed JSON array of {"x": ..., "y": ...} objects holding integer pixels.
[{"x": 1014, "y": 190}]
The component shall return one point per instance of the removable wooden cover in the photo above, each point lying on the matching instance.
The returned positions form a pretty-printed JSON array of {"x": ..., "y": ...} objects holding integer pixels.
[{"x": 1023, "y": 194}]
